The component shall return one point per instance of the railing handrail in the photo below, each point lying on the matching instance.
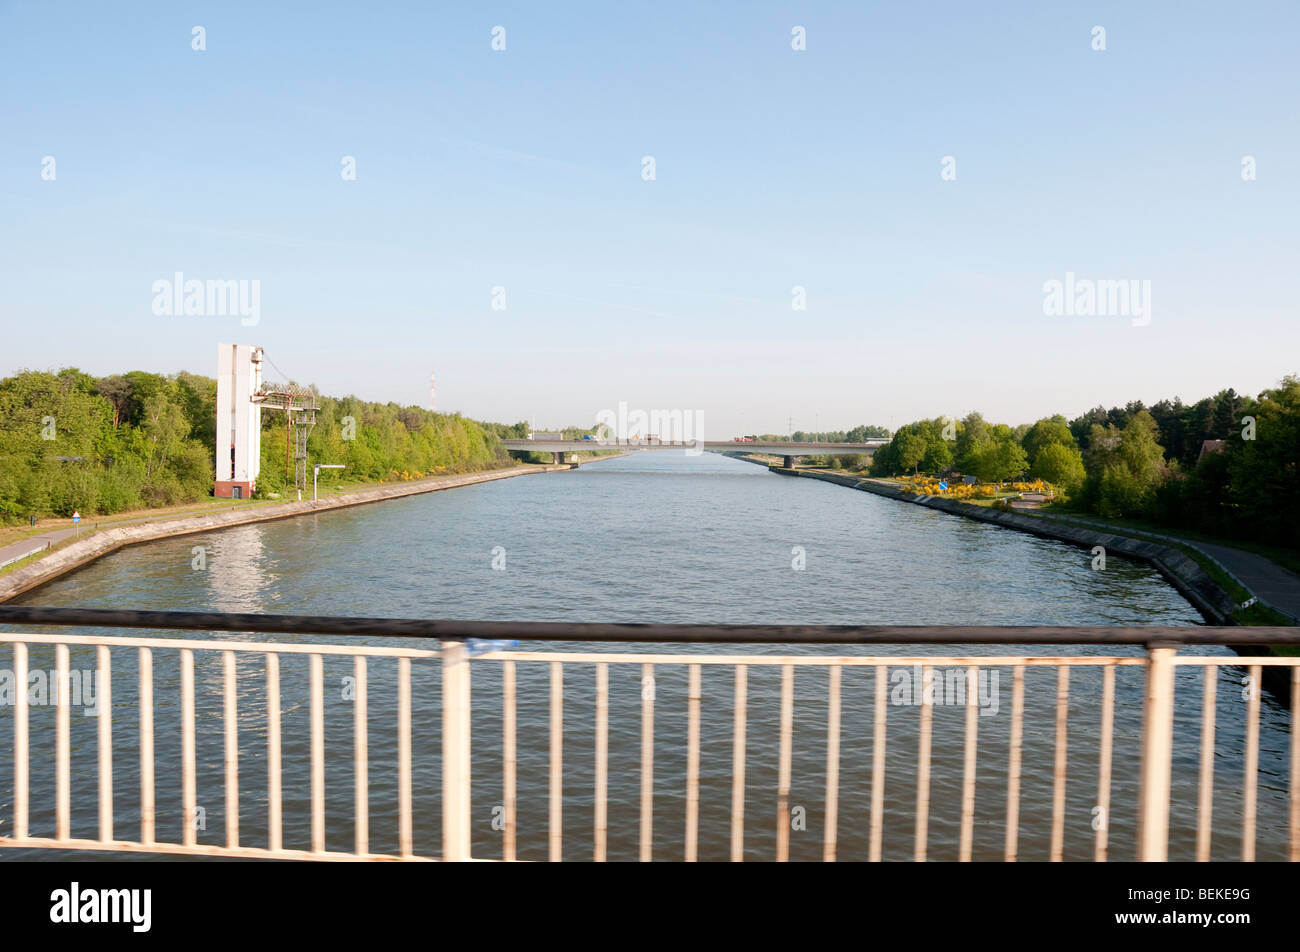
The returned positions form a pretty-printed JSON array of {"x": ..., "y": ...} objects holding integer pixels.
[
  {"x": 1158, "y": 666},
  {"x": 638, "y": 632},
  {"x": 191, "y": 644}
]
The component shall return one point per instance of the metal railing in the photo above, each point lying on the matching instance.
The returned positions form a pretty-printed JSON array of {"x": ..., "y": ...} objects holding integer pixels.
[
  {"x": 457, "y": 658},
  {"x": 229, "y": 650}
]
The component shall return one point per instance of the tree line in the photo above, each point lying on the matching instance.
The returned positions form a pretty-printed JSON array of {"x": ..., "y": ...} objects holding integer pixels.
[
  {"x": 1228, "y": 464},
  {"x": 859, "y": 434},
  {"x": 70, "y": 441}
]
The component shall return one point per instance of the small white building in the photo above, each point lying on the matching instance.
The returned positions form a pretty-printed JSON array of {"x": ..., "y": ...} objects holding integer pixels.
[{"x": 239, "y": 420}]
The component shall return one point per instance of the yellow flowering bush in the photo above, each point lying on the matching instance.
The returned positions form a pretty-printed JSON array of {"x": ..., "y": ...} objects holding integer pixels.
[
  {"x": 929, "y": 486},
  {"x": 1034, "y": 486}
]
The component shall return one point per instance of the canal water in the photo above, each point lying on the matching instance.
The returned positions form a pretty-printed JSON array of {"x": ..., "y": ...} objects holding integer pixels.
[{"x": 650, "y": 537}]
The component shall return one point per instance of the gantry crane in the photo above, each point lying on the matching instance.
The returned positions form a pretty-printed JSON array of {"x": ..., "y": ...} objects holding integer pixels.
[{"x": 299, "y": 405}]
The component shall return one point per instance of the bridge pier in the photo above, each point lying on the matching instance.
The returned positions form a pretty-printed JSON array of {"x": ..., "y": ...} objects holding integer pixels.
[
  {"x": 789, "y": 462},
  {"x": 561, "y": 457}
]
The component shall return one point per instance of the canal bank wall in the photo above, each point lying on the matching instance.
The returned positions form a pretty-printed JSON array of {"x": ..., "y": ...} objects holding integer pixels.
[
  {"x": 105, "y": 541},
  {"x": 1179, "y": 569}
]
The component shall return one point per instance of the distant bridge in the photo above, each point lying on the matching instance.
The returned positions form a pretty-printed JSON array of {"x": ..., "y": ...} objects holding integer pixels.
[{"x": 788, "y": 449}]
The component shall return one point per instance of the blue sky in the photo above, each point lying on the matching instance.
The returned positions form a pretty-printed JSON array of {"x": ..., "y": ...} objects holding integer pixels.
[{"x": 774, "y": 168}]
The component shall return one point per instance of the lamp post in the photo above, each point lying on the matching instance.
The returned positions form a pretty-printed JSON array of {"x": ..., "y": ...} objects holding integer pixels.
[{"x": 315, "y": 473}]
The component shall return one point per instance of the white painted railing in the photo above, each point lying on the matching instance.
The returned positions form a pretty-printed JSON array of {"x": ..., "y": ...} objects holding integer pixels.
[
  {"x": 456, "y": 663},
  {"x": 147, "y": 841}
]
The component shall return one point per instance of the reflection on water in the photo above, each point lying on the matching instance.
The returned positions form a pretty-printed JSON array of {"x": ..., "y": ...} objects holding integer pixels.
[
  {"x": 652, "y": 537},
  {"x": 245, "y": 581}
]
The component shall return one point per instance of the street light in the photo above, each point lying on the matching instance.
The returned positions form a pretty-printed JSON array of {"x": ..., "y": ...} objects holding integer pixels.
[{"x": 316, "y": 472}]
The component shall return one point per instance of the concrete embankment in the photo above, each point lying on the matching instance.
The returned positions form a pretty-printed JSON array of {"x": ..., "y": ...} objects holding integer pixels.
[
  {"x": 109, "y": 540},
  {"x": 1183, "y": 572}
]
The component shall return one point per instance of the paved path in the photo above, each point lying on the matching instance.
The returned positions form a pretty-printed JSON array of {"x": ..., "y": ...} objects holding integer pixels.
[
  {"x": 1266, "y": 579},
  {"x": 32, "y": 545},
  {"x": 39, "y": 543},
  {"x": 1261, "y": 576}
]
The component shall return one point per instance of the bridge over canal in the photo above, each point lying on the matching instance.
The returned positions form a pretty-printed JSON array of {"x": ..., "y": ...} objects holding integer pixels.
[{"x": 789, "y": 449}]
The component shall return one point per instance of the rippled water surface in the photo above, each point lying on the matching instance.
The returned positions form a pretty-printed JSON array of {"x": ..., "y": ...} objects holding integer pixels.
[{"x": 650, "y": 537}]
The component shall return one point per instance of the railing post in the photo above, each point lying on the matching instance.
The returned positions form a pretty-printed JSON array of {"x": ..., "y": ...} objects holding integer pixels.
[
  {"x": 1157, "y": 750},
  {"x": 22, "y": 756},
  {"x": 455, "y": 751}
]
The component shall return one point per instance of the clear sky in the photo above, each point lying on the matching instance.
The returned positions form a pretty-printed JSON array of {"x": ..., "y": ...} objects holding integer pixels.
[{"x": 522, "y": 169}]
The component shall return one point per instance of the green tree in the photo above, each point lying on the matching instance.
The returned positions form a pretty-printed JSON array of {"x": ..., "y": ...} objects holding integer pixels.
[
  {"x": 1047, "y": 432},
  {"x": 938, "y": 456},
  {"x": 997, "y": 460},
  {"x": 972, "y": 432},
  {"x": 1061, "y": 465},
  {"x": 911, "y": 448},
  {"x": 864, "y": 432},
  {"x": 1120, "y": 494},
  {"x": 71, "y": 441},
  {"x": 1125, "y": 467},
  {"x": 1263, "y": 472},
  {"x": 1141, "y": 451}
]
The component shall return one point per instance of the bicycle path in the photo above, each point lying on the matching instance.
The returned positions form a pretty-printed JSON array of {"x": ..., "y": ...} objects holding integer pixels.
[
  {"x": 39, "y": 543},
  {"x": 1267, "y": 580},
  {"x": 1272, "y": 584}
]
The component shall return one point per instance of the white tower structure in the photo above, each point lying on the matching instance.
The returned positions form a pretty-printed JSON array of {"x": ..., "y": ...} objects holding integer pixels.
[
  {"x": 433, "y": 402},
  {"x": 239, "y": 420}
]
